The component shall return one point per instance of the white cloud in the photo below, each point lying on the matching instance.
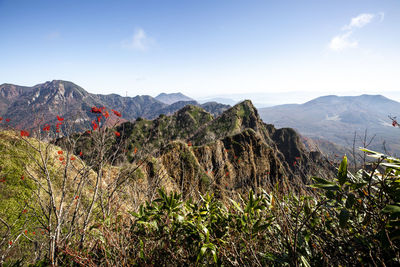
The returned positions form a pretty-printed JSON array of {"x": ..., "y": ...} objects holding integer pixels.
[
  {"x": 140, "y": 41},
  {"x": 359, "y": 21},
  {"x": 342, "y": 41}
]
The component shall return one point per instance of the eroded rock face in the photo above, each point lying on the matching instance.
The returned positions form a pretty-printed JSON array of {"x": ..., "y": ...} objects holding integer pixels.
[{"x": 232, "y": 153}]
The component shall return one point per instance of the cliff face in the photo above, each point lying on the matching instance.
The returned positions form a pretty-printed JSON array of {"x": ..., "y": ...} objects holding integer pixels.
[
  {"x": 194, "y": 152},
  {"x": 235, "y": 163}
]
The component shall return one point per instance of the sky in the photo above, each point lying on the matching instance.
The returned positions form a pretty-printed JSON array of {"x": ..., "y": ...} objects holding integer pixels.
[{"x": 205, "y": 48}]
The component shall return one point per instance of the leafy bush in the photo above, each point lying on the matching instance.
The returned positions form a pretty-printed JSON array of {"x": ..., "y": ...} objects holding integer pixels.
[{"x": 349, "y": 220}]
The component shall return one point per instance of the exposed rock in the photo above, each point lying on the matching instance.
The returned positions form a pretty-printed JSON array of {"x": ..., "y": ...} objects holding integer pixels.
[
  {"x": 235, "y": 152},
  {"x": 30, "y": 107}
]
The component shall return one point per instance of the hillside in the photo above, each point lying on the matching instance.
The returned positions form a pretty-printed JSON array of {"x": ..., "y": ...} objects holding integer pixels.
[
  {"x": 235, "y": 151},
  {"x": 184, "y": 184},
  {"x": 28, "y": 107},
  {"x": 336, "y": 119}
]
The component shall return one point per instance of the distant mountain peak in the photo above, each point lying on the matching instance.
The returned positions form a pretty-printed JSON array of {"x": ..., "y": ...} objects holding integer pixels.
[
  {"x": 338, "y": 118},
  {"x": 172, "y": 98},
  {"x": 66, "y": 99}
]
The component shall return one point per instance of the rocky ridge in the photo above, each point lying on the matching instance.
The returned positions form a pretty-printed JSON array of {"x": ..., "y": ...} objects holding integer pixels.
[
  {"x": 193, "y": 152},
  {"x": 29, "y": 107}
]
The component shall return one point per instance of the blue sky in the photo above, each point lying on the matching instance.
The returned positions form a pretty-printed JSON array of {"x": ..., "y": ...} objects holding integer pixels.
[{"x": 204, "y": 48}]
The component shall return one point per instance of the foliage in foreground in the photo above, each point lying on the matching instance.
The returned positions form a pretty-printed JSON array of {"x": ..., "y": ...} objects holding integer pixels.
[
  {"x": 349, "y": 220},
  {"x": 352, "y": 219}
]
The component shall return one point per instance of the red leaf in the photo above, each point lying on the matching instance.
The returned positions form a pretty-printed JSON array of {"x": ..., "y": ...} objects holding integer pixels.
[
  {"x": 95, "y": 110},
  {"x": 80, "y": 153},
  {"x": 117, "y": 134},
  {"x": 24, "y": 133},
  {"x": 116, "y": 113},
  {"x": 59, "y": 118},
  {"x": 60, "y": 152},
  {"x": 95, "y": 126},
  {"x": 7, "y": 120}
]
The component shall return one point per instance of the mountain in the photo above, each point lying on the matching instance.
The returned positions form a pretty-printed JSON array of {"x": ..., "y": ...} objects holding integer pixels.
[
  {"x": 338, "y": 118},
  {"x": 191, "y": 151},
  {"x": 28, "y": 107},
  {"x": 226, "y": 101},
  {"x": 9, "y": 93},
  {"x": 172, "y": 98}
]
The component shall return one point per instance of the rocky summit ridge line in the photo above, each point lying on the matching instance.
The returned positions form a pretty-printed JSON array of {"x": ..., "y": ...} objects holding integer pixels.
[
  {"x": 191, "y": 151},
  {"x": 29, "y": 107}
]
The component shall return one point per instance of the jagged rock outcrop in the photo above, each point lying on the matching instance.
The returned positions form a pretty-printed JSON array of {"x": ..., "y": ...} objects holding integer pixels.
[{"x": 194, "y": 152}]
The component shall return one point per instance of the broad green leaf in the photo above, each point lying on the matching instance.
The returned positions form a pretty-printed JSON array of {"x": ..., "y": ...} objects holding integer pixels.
[
  {"x": 342, "y": 173},
  {"x": 214, "y": 252},
  {"x": 391, "y": 165},
  {"x": 370, "y": 151},
  {"x": 325, "y": 186},
  {"x": 141, "y": 254},
  {"x": 391, "y": 209},
  {"x": 201, "y": 253},
  {"x": 236, "y": 205},
  {"x": 304, "y": 261}
]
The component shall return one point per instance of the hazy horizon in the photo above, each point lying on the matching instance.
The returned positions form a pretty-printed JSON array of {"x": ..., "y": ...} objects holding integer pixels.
[{"x": 259, "y": 99}]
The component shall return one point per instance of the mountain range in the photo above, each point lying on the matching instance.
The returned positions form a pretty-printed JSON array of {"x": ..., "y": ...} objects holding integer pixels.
[
  {"x": 331, "y": 122},
  {"x": 339, "y": 118},
  {"x": 28, "y": 107}
]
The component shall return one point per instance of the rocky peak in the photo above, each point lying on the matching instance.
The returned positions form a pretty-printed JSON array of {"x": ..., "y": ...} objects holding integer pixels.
[
  {"x": 232, "y": 121},
  {"x": 193, "y": 152},
  {"x": 61, "y": 90},
  {"x": 10, "y": 91}
]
